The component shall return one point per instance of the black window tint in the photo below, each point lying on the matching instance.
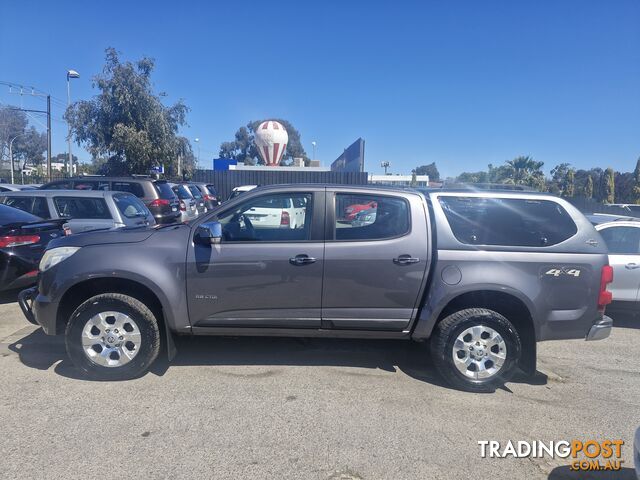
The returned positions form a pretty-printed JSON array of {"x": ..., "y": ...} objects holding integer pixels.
[
  {"x": 22, "y": 203},
  {"x": 40, "y": 207},
  {"x": 130, "y": 187},
  {"x": 268, "y": 218},
  {"x": 211, "y": 189},
  {"x": 82, "y": 207},
  {"x": 370, "y": 217},
  {"x": 507, "y": 221},
  {"x": 164, "y": 190},
  {"x": 62, "y": 185},
  {"x": 622, "y": 240},
  {"x": 90, "y": 185},
  {"x": 10, "y": 215},
  {"x": 130, "y": 206},
  {"x": 182, "y": 192},
  {"x": 195, "y": 191}
]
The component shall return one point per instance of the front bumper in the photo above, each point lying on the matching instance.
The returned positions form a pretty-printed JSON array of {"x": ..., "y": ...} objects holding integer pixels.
[
  {"x": 601, "y": 329},
  {"x": 39, "y": 310}
]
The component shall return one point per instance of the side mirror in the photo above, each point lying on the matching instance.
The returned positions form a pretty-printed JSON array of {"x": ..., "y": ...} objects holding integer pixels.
[{"x": 208, "y": 233}]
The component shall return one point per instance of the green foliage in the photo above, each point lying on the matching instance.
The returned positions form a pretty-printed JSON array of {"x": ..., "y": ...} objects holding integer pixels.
[
  {"x": 609, "y": 186},
  {"x": 243, "y": 149},
  {"x": 524, "y": 170},
  {"x": 127, "y": 122},
  {"x": 636, "y": 185},
  {"x": 430, "y": 169},
  {"x": 29, "y": 145},
  {"x": 588, "y": 189}
]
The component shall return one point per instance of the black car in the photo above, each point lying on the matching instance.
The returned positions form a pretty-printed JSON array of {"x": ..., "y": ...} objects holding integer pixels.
[
  {"x": 157, "y": 195},
  {"x": 209, "y": 194},
  {"x": 23, "y": 239}
]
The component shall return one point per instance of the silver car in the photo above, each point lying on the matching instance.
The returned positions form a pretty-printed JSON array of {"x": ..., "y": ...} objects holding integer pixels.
[
  {"x": 188, "y": 204},
  {"x": 636, "y": 452},
  {"x": 623, "y": 241},
  {"x": 86, "y": 210}
]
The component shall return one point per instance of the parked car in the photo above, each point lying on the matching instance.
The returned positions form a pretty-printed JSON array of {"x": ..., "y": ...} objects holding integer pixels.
[
  {"x": 209, "y": 193},
  {"x": 636, "y": 452},
  {"x": 188, "y": 204},
  {"x": 23, "y": 239},
  {"x": 201, "y": 205},
  {"x": 482, "y": 276},
  {"x": 240, "y": 190},
  {"x": 157, "y": 195},
  {"x": 598, "y": 218},
  {"x": 350, "y": 211},
  {"x": 623, "y": 241},
  {"x": 12, "y": 187},
  {"x": 364, "y": 218},
  {"x": 281, "y": 211},
  {"x": 83, "y": 210}
]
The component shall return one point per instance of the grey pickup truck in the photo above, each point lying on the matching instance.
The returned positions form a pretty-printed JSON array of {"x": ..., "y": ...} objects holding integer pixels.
[{"x": 481, "y": 276}]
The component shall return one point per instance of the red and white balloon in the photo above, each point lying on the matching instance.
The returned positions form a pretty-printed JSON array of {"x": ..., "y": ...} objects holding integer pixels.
[{"x": 271, "y": 141}]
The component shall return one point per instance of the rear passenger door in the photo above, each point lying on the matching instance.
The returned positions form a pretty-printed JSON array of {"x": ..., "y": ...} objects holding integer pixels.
[{"x": 374, "y": 270}]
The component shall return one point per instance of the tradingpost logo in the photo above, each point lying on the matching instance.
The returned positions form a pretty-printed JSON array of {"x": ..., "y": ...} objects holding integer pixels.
[{"x": 585, "y": 455}]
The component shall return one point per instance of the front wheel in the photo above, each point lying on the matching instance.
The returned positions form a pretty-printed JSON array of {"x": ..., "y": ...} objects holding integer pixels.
[
  {"x": 112, "y": 337},
  {"x": 476, "y": 349}
]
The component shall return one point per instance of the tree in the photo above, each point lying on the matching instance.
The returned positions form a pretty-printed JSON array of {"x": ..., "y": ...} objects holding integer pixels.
[
  {"x": 524, "y": 170},
  {"x": 126, "y": 122},
  {"x": 636, "y": 186},
  {"x": 559, "y": 182},
  {"x": 570, "y": 184},
  {"x": 608, "y": 184},
  {"x": 243, "y": 148},
  {"x": 430, "y": 170},
  {"x": 588, "y": 190},
  {"x": 27, "y": 144},
  {"x": 624, "y": 187}
]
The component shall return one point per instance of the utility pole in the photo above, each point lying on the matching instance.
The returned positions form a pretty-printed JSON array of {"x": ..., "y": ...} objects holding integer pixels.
[
  {"x": 49, "y": 138},
  {"x": 385, "y": 165}
]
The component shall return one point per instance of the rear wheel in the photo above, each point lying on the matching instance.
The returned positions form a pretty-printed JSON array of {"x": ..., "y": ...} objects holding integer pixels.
[
  {"x": 476, "y": 349},
  {"x": 112, "y": 337}
]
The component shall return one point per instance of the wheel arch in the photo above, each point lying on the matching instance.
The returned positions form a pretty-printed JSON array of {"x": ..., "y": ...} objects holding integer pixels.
[{"x": 503, "y": 302}]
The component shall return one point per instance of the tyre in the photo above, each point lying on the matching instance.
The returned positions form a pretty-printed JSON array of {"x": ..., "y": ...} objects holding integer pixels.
[
  {"x": 476, "y": 349},
  {"x": 112, "y": 337}
]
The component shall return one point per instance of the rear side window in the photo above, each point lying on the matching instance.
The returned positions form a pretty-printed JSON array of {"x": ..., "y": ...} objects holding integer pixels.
[
  {"x": 622, "y": 240},
  {"x": 82, "y": 207},
  {"x": 512, "y": 222},
  {"x": 195, "y": 191},
  {"x": 182, "y": 192},
  {"x": 211, "y": 189},
  {"x": 61, "y": 185},
  {"x": 370, "y": 217},
  {"x": 130, "y": 206},
  {"x": 130, "y": 187},
  {"x": 164, "y": 190},
  {"x": 90, "y": 185}
]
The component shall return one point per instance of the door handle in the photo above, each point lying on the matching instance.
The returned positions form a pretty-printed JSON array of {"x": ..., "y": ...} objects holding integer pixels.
[
  {"x": 302, "y": 259},
  {"x": 631, "y": 266},
  {"x": 405, "y": 260}
]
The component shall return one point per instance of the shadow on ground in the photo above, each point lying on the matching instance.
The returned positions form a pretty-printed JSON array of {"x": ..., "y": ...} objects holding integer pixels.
[
  {"x": 565, "y": 473},
  {"x": 625, "y": 319},
  {"x": 9, "y": 296},
  {"x": 37, "y": 350}
]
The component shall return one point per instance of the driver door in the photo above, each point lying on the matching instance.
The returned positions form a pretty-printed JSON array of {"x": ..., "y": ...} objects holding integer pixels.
[{"x": 266, "y": 271}]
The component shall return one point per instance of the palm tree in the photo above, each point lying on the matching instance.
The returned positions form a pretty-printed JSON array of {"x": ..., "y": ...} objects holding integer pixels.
[{"x": 526, "y": 171}]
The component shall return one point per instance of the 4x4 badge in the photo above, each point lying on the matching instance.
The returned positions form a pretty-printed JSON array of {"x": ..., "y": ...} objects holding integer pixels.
[{"x": 592, "y": 242}]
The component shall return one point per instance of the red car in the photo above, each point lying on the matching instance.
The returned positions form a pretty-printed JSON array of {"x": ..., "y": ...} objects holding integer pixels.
[{"x": 351, "y": 211}]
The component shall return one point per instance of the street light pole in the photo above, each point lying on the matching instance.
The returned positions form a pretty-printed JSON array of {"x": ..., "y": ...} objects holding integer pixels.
[
  {"x": 70, "y": 74},
  {"x": 11, "y": 154},
  {"x": 314, "y": 150},
  {"x": 197, "y": 140}
]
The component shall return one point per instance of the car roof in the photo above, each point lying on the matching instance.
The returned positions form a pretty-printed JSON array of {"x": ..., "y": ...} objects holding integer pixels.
[
  {"x": 67, "y": 193},
  {"x": 110, "y": 179}
]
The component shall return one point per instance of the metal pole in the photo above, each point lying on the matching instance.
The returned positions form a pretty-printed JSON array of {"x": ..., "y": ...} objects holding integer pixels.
[
  {"x": 70, "y": 160},
  {"x": 11, "y": 157},
  {"x": 49, "y": 138}
]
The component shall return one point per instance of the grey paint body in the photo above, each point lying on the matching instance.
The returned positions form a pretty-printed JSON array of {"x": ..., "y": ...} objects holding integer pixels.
[{"x": 354, "y": 289}]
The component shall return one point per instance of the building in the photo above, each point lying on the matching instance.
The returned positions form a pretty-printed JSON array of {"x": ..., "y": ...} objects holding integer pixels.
[
  {"x": 352, "y": 159},
  {"x": 399, "y": 180}
]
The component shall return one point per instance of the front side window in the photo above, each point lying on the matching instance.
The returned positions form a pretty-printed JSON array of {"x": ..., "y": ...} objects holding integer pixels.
[
  {"x": 269, "y": 218},
  {"x": 370, "y": 217},
  {"x": 622, "y": 240},
  {"x": 82, "y": 207},
  {"x": 515, "y": 222},
  {"x": 130, "y": 206}
]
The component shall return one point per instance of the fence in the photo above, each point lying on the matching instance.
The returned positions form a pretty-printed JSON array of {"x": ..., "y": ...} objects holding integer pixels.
[{"x": 226, "y": 180}]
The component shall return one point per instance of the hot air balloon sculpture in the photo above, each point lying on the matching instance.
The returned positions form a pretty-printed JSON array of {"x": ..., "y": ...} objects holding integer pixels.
[{"x": 271, "y": 141}]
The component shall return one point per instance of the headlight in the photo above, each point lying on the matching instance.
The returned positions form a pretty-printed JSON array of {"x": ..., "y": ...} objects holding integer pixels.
[{"x": 56, "y": 255}]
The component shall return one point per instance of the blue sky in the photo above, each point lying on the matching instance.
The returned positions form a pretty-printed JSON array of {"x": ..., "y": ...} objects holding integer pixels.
[{"x": 461, "y": 83}]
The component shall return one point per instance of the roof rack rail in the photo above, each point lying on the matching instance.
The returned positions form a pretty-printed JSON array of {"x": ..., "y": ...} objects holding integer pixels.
[{"x": 489, "y": 186}]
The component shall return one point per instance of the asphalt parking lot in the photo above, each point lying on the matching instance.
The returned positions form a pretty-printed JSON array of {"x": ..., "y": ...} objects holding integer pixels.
[{"x": 300, "y": 408}]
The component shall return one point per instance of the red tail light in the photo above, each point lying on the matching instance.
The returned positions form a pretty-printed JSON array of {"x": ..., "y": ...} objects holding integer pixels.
[
  {"x": 18, "y": 240},
  {"x": 183, "y": 206},
  {"x": 159, "y": 202},
  {"x": 210, "y": 197},
  {"x": 605, "y": 297},
  {"x": 284, "y": 218}
]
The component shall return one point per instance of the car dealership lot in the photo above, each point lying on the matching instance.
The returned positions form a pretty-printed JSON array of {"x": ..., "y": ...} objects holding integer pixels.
[{"x": 302, "y": 408}]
